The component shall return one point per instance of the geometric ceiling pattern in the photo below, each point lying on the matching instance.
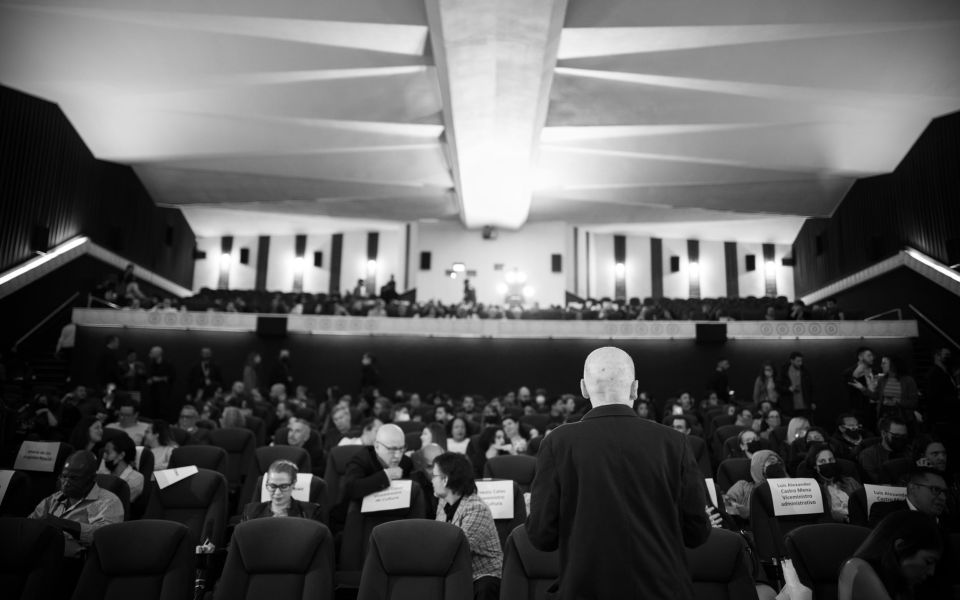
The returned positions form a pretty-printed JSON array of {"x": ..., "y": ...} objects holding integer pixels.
[{"x": 622, "y": 115}]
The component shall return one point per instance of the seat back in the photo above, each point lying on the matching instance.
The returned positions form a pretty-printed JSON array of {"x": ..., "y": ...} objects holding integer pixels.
[
  {"x": 538, "y": 422},
  {"x": 857, "y": 508},
  {"x": 42, "y": 484},
  {"x": 701, "y": 453},
  {"x": 417, "y": 560},
  {"x": 519, "y": 468},
  {"x": 16, "y": 502},
  {"x": 31, "y": 554},
  {"x": 204, "y": 457},
  {"x": 896, "y": 471},
  {"x": 527, "y": 572},
  {"x": 199, "y": 502},
  {"x": 505, "y": 526},
  {"x": 258, "y": 427},
  {"x": 278, "y": 558},
  {"x": 145, "y": 466},
  {"x": 239, "y": 443},
  {"x": 337, "y": 460},
  {"x": 140, "y": 559},
  {"x": 117, "y": 487},
  {"x": 318, "y": 494},
  {"x": 412, "y": 440},
  {"x": 145, "y": 463},
  {"x": 778, "y": 439},
  {"x": 869, "y": 586},
  {"x": 731, "y": 471},
  {"x": 411, "y": 426},
  {"x": 359, "y": 525},
  {"x": 720, "y": 435},
  {"x": 263, "y": 457},
  {"x": 818, "y": 552},
  {"x": 769, "y": 530},
  {"x": 720, "y": 568}
]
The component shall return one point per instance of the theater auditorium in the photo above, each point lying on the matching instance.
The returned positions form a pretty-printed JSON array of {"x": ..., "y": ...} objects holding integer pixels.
[{"x": 303, "y": 299}]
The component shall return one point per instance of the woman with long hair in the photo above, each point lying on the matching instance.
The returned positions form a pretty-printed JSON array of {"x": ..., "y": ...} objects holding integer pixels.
[
  {"x": 157, "y": 439},
  {"x": 821, "y": 462},
  {"x": 87, "y": 435},
  {"x": 765, "y": 385}
]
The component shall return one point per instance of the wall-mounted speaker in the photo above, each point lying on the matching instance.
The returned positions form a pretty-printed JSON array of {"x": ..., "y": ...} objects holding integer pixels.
[
  {"x": 489, "y": 233},
  {"x": 318, "y": 259},
  {"x": 751, "y": 262},
  {"x": 674, "y": 264},
  {"x": 425, "y": 261},
  {"x": 556, "y": 263},
  {"x": 272, "y": 327},
  {"x": 244, "y": 256},
  {"x": 711, "y": 333}
]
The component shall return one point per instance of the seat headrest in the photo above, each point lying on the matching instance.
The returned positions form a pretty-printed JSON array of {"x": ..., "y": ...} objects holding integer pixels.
[
  {"x": 279, "y": 545},
  {"x": 718, "y": 559},
  {"x": 537, "y": 564},
  {"x": 233, "y": 439},
  {"x": 195, "y": 491},
  {"x": 819, "y": 550},
  {"x": 138, "y": 547},
  {"x": 416, "y": 547},
  {"x": 341, "y": 455},
  {"x": 207, "y": 457},
  {"x": 24, "y": 543}
]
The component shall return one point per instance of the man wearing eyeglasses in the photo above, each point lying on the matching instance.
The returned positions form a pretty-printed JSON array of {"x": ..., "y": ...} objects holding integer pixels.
[
  {"x": 373, "y": 468},
  {"x": 926, "y": 493}
]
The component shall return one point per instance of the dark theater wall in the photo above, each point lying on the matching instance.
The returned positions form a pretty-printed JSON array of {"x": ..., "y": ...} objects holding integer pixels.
[
  {"x": 49, "y": 178},
  {"x": 916, "y": 205},
  {"x": 491, "y": 366}
]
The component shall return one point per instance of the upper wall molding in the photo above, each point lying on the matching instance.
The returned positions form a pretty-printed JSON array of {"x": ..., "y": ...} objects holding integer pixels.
[
  {"x": 914, "y": 260},
  {"x": 39, "y": 267}
]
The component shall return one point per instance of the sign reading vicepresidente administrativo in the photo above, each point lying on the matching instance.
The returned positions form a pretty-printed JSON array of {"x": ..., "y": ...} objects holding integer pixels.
[
  {"x": 37, "y": 456},
  {"x": 394, "y": 497},
  {"x": 799, "y": 496},
  {"x": 498, "y": 495}
]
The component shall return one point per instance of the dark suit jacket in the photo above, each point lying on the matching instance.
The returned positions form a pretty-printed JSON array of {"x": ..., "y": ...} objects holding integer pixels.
[
  {"x": 313, "y": 446},
  {"x": 364, "y": 475},
  {"x": 879, "y": 510},
  {"x": 304, "y": 510},
  {"x": 620, "y": 496}
]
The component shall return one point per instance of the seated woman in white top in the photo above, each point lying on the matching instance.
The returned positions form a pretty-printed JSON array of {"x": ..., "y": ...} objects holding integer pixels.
[
  {"x": 157, "y": 439},
  {"x": 459, "y": 436},
  {"x": 119, "y": 455}
]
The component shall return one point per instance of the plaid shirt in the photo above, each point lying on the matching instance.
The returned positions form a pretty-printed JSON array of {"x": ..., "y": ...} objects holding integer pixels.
[
  {"x": 98, "y": 508},
  {"x": 473, "y": 516}
]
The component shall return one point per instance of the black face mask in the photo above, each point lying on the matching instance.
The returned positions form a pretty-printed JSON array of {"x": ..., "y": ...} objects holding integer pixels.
[
  {"x": 829, "y": 470},
  {"x": 754, "y": 446},
  {"x": 897, "y": 443},
  {"x": 110, "y": 464},
  {"x": 852, "y": 433},
  {"x": 774, "y": 471}
]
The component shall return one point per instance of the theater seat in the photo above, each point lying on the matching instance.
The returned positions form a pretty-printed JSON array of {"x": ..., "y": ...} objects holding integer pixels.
[
  {"x": 519, "y": 468},
  {"x": 318, "y": 493},
  {"x": 720, "y": 568},
  {"x": 239, "y": 444},
  {"x": 147, "y": 560},
  {"x": 199, "y": 502},
  {"x": 770, "y": 530},
  {"x": 731, "y": 471},
  {"x": 31, "y": 553},
  {"x": 358, "y": 527},
  {"x": 278, "y": 559},
  {"x": 119, "y": 488},
  {"x": 337, "y": 460},
  {"x": 259, "y": 429},
  {"x": 262, "y": 459},
  {"x": 505, "y": 526},
  {"x": 411, "y": 426},
  {"x": 145, "y": 466},
  {"x": 16, "y": 502},
  {"x": 818, "y": 552},
  {"x": 527, "y": 572},
  {"x": 417, "y": 560},
  {"x": 204, "y": 457},
  {"x": 42, "y": 483}
]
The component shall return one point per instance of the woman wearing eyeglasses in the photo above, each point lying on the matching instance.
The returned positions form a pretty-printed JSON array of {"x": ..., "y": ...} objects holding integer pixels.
[{"x": 281, "y": 476}]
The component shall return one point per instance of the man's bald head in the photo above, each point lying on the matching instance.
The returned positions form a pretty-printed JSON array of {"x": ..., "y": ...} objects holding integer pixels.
[
  {"x": 390, "y": 444},
  {"x": 424, "y": 457},
  {"x": 608, "y": 377}
]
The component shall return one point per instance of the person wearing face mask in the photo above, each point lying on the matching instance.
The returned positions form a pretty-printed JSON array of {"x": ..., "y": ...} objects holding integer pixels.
[
  {"x": 749, "y": 444},
  {"x": 848, "y": 440},
  {"x": 119, "y": 455},
  {"x": 823, "y": 464},
  {"x": 764, "y": 464},
  {"x": 894, "y": 441}
]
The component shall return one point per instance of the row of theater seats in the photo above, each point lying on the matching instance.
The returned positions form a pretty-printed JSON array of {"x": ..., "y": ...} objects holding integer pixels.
[{"x": 409, "y": 559}]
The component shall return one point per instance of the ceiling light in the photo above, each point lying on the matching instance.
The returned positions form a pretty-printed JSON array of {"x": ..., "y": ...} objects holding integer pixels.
[
  {"x": 225, "y": 259},
  {"x": 528, "y": 291},
  {"x": 619, "y": 269},
  {"x": 502, "y": 288},
  {"x": 694, "y": 269},
  {"x": 371, "y": 266},
  {"x": 771, "y": 267},
  {"x": 459, "y": 267},
  {"x": 298, "y": 264}
]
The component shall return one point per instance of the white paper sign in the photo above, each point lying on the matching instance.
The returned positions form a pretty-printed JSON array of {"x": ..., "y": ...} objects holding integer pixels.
[
  {"x": 712, "y": 490},
  {"x": 137, "y": 459},
  {"x": 526, "y": 500},
  {"x": 883, "y": 493},
  {"x": 301, "y": 489},
  {"x": 37, "y": 456},
  {"x": 394, "y": 497},
  {"x": 798, "y": 496},
  {"x": 168, "y": 477},
  {"x": 498, "y": 495},
  {"x": 4, "y": 483}
]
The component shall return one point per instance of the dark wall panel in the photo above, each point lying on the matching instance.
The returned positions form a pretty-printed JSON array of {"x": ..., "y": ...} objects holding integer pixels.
[
  {"x": 916, "y": 206},
  {"x": 48, "y": 177}
]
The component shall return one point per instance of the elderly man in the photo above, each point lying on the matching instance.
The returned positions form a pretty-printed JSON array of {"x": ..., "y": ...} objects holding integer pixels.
[
  {"x": 300, "y": 434},
  {"x": 460, "y": 505},
  {"x": 78, "y": 509},
  {"x": 620, "y": 496}
]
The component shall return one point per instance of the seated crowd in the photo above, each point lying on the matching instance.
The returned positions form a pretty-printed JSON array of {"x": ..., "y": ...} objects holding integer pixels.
[{"x": 887, "y": 440}]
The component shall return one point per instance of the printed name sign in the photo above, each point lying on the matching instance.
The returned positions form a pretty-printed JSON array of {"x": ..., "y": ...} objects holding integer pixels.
[
  {"x": 498, "y": 495},
  {"x": 526, "y": 500},
  {"x": 136, "y": 461},
  {"x": 712, "y": 491},
  {"x": 800, "y": 496},
  {"x": 301, "y": 489},
  {"x": 37, "y": 456},
  {"x": 5, "y": 477},
  {"x": 883, "y": 493},
  {"x": 394, "y": 497},
  {"x": 168, "y": 477}
]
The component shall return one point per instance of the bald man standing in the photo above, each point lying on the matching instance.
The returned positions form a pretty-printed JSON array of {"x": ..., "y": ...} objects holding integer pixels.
[
  {"x": 373, "y": 468},
  {"x": 620, "y": 496}
]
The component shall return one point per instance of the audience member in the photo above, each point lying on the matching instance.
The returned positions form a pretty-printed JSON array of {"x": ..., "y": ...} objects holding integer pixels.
[
  {"x": 847, "y": 442},
  {"x": 119, "y": 456},
  {"x": 460, "y": 505},
  {"x": 109, "y": 369},
  {"x": 896, "y": 392},
  {"x": 160, "y": 378},
  {"x": 88, "y": 435},
  {"x": 894, "y": 442},
  {"x": 514, "y": 435},
  {"x": 796, "y": 386},
  {"x": 765, "y": 386},
  {"x": 822, "y": 463},
  {"x": 434, "y": 433},
  {"x": 764, "y": 464},
  {"x": 342, "y": 422},
  {"x": 862, "y": 383},
  {"x": 368, "y": 433},
  {"x": 280, "y": 479},
  {"x": 187, "y": 422},
  {"x": 205, "y": 377},
  {"x": 128, "y": 415},
  {"x": 927, "y": 493},
  {"x": 376, "y": 466},
  {"x": 283, "y": 372},
  {"x": 772, "y": 420},
  {"x": 300, "y": 434},
  {"x": 158, "y": 439},
  {"x": 719, "y": 380},
  {"x": 458, "y": 440}
]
